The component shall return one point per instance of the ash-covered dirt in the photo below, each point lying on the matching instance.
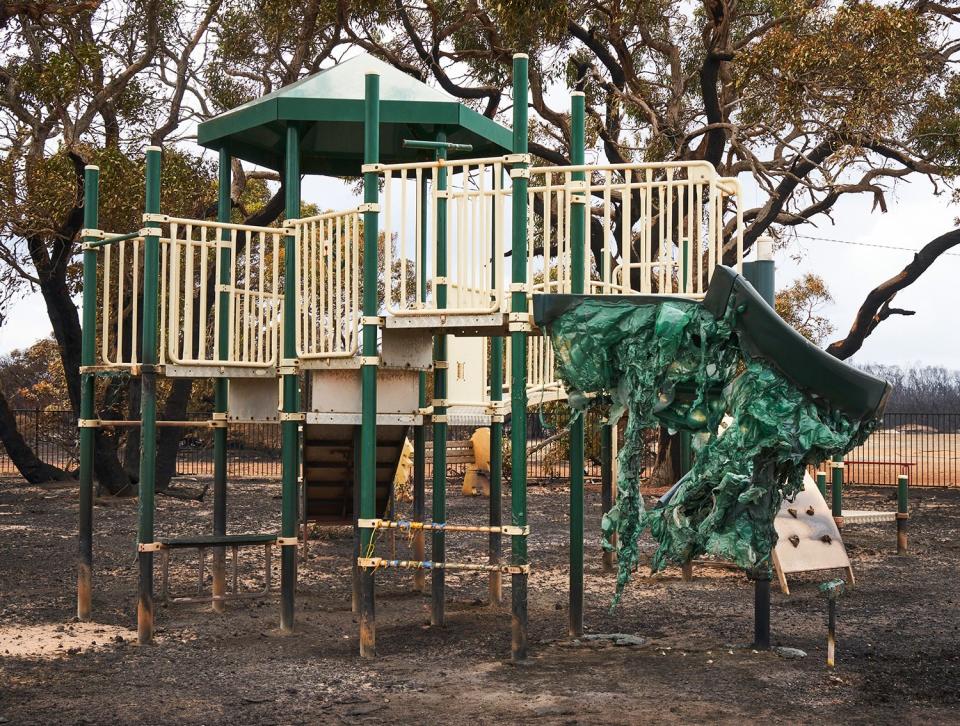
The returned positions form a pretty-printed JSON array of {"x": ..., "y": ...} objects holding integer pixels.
[{"x": 898, "y": 652}]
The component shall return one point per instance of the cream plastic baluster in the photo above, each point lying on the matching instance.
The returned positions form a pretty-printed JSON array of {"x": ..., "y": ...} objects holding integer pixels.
[
  {"x": 355, "y": 264},
  {"x": 188, "y": 278},
  {"x": 105, "y": 297},
  {"x": 606, "y": 263},
  {"x": 388, "y": 291},
  {"x": 418, "y": 238},
  {"x": 402, "y": 238},
  {"x": 203, "y": 313},
  {"x": 163, "y": 301}
]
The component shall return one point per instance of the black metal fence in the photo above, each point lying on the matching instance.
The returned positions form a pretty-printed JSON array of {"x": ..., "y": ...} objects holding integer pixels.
[{"x": 924, "y": 445}]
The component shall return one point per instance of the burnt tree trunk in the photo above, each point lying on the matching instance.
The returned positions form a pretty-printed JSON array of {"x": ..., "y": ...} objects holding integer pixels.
[
  {"x": 168, "y": 440},
  {"x": 666, "y": 467},
  {"x": 23, "y": 457}
]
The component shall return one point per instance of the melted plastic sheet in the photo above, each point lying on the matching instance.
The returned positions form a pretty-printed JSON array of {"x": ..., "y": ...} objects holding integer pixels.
[{"x": 674, "y": 364}]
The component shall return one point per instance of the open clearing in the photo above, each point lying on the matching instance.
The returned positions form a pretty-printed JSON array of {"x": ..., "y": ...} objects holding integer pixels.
[{"x": 898, "y": 653}]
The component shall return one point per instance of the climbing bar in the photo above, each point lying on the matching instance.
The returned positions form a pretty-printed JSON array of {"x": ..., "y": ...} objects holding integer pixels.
[
  {"x": 405, "y": 524},
  {"x": 434, "y": 145},
  {"x": 106, "y": 423},
  {"x": 380, "y": 563},
  {"x": 104, "y": 240}
]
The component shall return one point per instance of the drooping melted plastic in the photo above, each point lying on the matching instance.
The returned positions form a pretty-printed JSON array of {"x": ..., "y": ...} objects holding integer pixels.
[{"x": 674, "y": 364}]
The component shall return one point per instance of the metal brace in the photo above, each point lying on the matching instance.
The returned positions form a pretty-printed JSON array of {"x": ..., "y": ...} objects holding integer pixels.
[
  {"x": 98, "y": 233},
  {"x": 149, "y": 546},
  {"x": 439, "y": 418},
  {"x": 519, "y": 287},
  {"x": 372, "y": 320},
  {"x": 516, "y": 159},
  {"x": 371, "y": 168},
  {"x": 88, "y": 423},
  {"x": 519, "y": 173},
  {"x": 441, "y": 280},
  {"x": 287, "y": 541},
  {"x": 371, "y": 207},
  {"x": 440, "y": 365},
  {"x": 837, "y": 465},
  {"x": 519, "y": 323},
  {"x": 156, "y": 217},
  {"x": 287, "y": 416},
  {"x": 289, "y": 367},
  {"x": 150, "y": 232},
  {"x": 440, "y": 403},
  {"x": 369, "y": 360}
]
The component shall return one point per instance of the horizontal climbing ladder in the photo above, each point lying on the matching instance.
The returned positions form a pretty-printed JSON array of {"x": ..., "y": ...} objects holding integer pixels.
[{"x": 406, "y": 524}]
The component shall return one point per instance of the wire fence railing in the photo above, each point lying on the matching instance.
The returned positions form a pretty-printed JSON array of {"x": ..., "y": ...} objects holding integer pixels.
[{"x": 924, "y": 445}]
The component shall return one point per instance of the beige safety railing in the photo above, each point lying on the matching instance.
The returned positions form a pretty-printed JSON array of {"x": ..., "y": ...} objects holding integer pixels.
[
  {"x": 254, "y": 294},
  {"x": 476, "y": 228},
  {"x": 120, "y": 282},
  {"x": 329, "y": 284}
]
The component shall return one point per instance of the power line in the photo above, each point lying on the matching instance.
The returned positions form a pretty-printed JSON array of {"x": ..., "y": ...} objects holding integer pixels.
[{"x": 871, "y": 244}]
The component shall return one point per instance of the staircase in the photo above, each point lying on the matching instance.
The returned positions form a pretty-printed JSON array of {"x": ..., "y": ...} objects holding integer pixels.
[{"x": 331, "y": 470}]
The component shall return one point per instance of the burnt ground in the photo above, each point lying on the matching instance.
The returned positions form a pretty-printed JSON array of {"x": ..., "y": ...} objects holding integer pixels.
[{"x": 898, "y": 655}]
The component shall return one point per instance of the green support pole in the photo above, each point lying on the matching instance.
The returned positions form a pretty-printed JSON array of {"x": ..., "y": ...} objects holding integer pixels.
[
  {"x": 368, "y": 370},
  {"x": 220, "y": 392},
  {"x": 91, "y": 203},
  {"x": 495, "y": 545},
  {"x": 903, "y": 513},
  {"x": 420, "y": 432},
  {"x": 148, "y": 401},
  {"x": 439, "y": 511},
  {"x": 518, "y": 364},
  {"x": 607, "y": 485},
  {"x": 577, "y": 284},
  {"x": 836, "y": 489},
  {"x": 822, "y": 483},
  {"x": 289, "y": 427}
]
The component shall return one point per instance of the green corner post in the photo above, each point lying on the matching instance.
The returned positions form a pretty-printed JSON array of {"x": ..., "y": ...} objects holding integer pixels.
[
  {"x": 289, "y": 426},
  {"x": 439, "y": 510},
  {"x": 518, "y": 361},
  {"x": 91, "y": 203},
  {"x": 836, "y": 490},
  {"x": 495, "y": 543},
  {"x": 148, "y": 402},
  {"x": 220, "y": 391},
  {"x": 577, "y": 263},
  {"x": 368, "y": 370},
  {"x": 606, "y": 485},
  {"x": 420, "y": 432},
  {"x": 903, "y": 512},
  {"x": 822, "y": 483}
]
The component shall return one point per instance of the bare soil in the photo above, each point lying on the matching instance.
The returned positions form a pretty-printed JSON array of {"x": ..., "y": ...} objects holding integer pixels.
[{"x": 898, "y": 653}]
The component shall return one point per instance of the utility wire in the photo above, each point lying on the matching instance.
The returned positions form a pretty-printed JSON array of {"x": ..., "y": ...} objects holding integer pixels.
[{"x": 870, "y": 244}]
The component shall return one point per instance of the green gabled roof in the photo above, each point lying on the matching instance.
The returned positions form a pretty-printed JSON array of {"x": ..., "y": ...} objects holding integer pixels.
[{"x": 329, "y": 106}]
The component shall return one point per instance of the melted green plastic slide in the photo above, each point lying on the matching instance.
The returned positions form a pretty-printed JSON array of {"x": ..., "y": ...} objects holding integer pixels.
[{"x": 674, "y": 362}]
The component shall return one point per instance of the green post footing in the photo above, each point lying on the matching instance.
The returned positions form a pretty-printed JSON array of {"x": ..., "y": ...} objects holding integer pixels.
[
  {"x": 439, "y": 509},
  {"x": 518, "y": 365},
  {"x": 220, "y": 388},
  {"x": 289, "y": 429},
  {"x": 577, "y": 283},
  {"x": 148, "y": 402},
  {"x": 822, "y": 484},
  {"x": 368, "y": 372},
  {"x": 903, "y": 513},
  {"x": 91, "y": 202}
]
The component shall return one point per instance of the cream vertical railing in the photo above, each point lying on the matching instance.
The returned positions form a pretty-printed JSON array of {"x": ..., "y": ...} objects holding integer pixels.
[
  {"x": 329, "y": 284},
  {"x": 476, "y": 228},
  {"x": 193, "y": 319}
]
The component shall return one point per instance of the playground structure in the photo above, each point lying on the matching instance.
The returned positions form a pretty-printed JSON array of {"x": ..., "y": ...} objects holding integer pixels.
[{"x": 328, "y": 325}]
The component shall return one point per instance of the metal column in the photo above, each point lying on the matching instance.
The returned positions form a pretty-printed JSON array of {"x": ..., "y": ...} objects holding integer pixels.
[
  {"x": 578, "y": 209},
  {"x": 518, "y": 360},
  {"x": 148, "y": 404},
  {"x": 289, "y": 426},
  {"x": 91, "y": 202},
  {"x": 420, "y": 432},
  {"x": 368, "y": 369},
  {"x": 220, "y": 389},
  {"x": 495, "y": 542}
]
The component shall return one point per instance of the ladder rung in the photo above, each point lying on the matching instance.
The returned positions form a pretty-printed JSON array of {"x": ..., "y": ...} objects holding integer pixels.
[
  {"x": 379, "y": 562},
  {"x": 406, "y": 524}
]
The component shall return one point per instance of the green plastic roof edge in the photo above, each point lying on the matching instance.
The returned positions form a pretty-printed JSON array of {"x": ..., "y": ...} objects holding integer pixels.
[{"x": 329, "y": 104}]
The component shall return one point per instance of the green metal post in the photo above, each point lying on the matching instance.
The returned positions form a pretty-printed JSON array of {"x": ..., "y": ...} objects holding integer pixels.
[
  {"x": 289, "y": 427},
  {"x": 607, "y": 433},
  {"x": 368, "y": 370},
  {"x": 439, "y": 514},
  {"x": 903, "y": 513},
  {"x": 220, "y": 391},
  {"x": 822, "y": 483},
  {"x": 577, "y": 284},
  {"x": 495, "y": 545},
  {"x": 837, "y": 489},
  {"x": 91, "y": 203},
  {"x": 518, "y": 364},
  {"x": 148, "y": 401},
  {"x": 420, "y": 432}
]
